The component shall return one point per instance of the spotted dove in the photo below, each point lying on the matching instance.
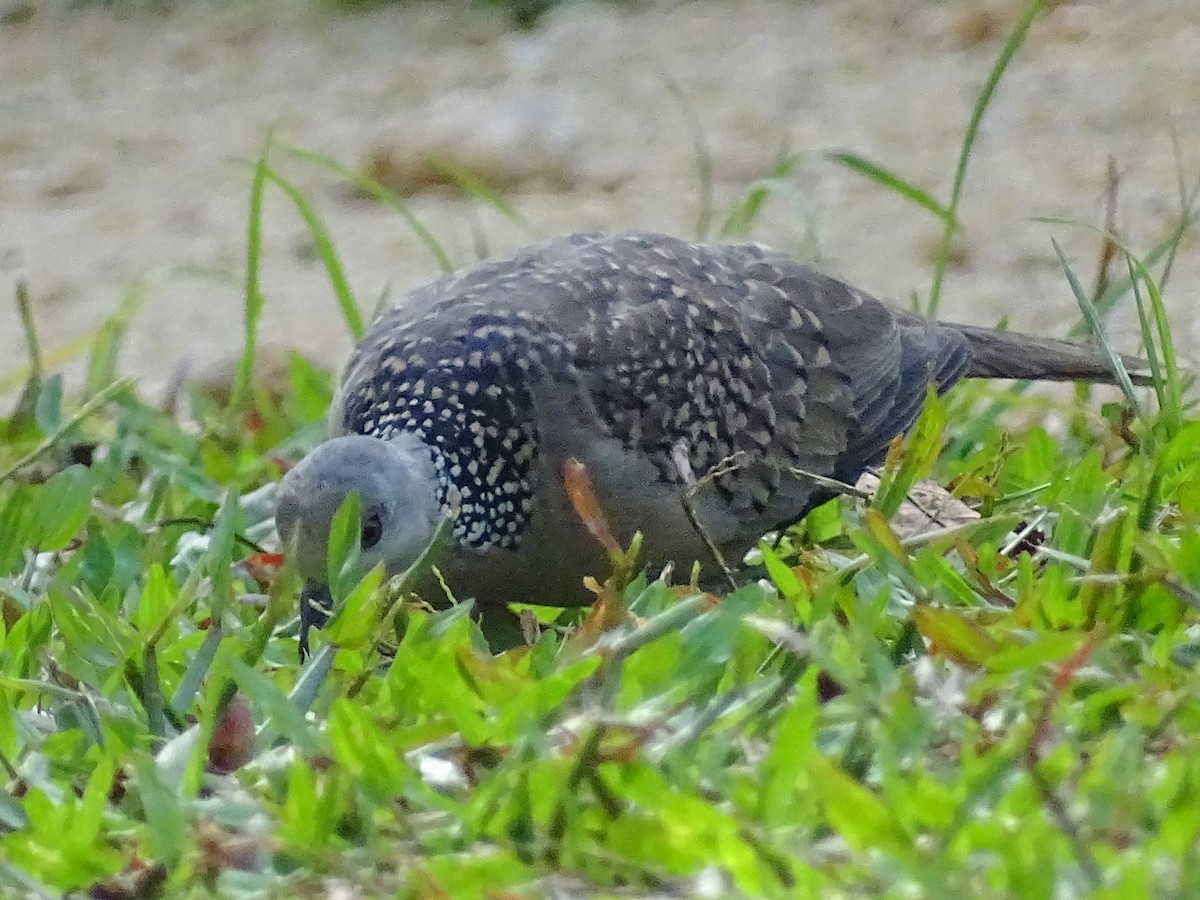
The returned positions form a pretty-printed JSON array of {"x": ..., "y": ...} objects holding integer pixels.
[{"x": 654, "y": 362}]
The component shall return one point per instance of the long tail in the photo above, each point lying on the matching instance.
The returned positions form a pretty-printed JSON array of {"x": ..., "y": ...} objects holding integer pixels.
[{"x": 1010, "y": 354}]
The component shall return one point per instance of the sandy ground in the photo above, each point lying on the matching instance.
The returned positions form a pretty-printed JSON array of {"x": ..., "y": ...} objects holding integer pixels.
[{"x": 124, "y": 135}]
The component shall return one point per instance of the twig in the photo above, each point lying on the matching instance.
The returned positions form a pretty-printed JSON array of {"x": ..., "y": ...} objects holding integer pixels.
[
  {"x": 208, "y": 524},
  {"x": 726, "y": 466},
  {"x": 1020, "y": 536},
  {"x": 688, "y": 477},
  {"x": 832, "y": 484},
  {"x": 910, "y": 499},
  {"x": 1108, "y": 246},
  {"x": 855, "y": 491},
  {"x": 1030, "y": 756}
]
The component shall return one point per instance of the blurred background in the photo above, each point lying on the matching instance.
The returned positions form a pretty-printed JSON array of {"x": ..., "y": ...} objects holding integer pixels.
[{"x": 128, "y": 133}]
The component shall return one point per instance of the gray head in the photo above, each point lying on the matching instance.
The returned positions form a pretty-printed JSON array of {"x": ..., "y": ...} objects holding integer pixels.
[{"x": 396, "y": 484}]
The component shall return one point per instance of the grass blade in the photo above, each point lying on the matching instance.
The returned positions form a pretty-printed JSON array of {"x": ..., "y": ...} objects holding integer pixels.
[
  {"x": 193, "y": 678},
  {"x": 1112, "y": 295},
  {"x": 388, "y": 198},
  {"x": 312, "y": 676},
  {"x": 893, "y": 182},
  {"x": 1104, "y": 305},
  {"x": 1187, "y": 208},
  {"x": 703, "y": 155},
  {"x": 1160, "y": 348},
  {"x": 741, "y": 217},
  {"x": 14, "y": 877},
  {"x": 102, "y": 362},
  {"x": 252, "y": 299},
  {"x": 1007, "y": 52},
  {"x": 99, "y": 400},
  {"x": 1096, "y": 324},
  {"x": 475, "y": 188},
  {"x": 32, "y": 346},
  {"x": 325, "y": 251}
]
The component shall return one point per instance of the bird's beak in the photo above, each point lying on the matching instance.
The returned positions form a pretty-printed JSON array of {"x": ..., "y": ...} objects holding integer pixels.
[{"x": 316, "y": 604}]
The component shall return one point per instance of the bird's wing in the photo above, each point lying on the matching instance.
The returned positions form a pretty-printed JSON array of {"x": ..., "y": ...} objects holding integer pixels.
[
  {"x": 688, "y": 356},
  {"x": 888, "y": 358}
]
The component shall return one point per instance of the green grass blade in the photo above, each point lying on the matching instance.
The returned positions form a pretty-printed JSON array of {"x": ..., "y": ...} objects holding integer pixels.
[
  {"x": 475, "y": 188},
  {"x": 1160, "y": 347},
  {"x": 1096, "y": 324},
  {"x": 1007, "y": 52},
  {"x": 32, "y": 345},
  {"x": 326, "y": 252},
  {"x": 23, "y": 884},
  {"x": 1104, "y": 305},
  {"x": 193, "y": 677},
  {"x": 252, "y": 298},
  {"x": 91, "y": 405},
  {"x": 703, "y": 156},
  {"x": 1187, "y": 208},
  {"x": 773, "y": 184},
  {"x": 1119, "y": 287},
  {"x": 26, "y": 404},
  {"x": 382, "y": 194},
  {"x": 102, "y": 362},
  {"x": 312, "y": 677},
  {"x": 152, "y": 698},
  {"x": 894, "y": 183},
  {"x": 737, "y": 224}
]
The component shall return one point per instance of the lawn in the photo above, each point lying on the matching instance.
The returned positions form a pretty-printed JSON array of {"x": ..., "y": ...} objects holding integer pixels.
[{"x": 1005, "y": 705}]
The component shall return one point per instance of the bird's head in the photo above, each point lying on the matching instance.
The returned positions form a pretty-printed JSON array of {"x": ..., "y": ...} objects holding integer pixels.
[{"x": 396, "y": 486}]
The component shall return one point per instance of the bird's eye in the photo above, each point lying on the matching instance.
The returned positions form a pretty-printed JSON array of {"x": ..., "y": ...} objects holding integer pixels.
[{"x": 372, "y": 529}]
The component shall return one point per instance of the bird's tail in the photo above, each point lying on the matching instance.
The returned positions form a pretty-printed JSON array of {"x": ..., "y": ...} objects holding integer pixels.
[{"x": 1010, "y": 354}]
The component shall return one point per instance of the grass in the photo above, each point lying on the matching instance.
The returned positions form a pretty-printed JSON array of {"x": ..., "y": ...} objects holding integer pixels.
[{"x": 1003, "y": 707}]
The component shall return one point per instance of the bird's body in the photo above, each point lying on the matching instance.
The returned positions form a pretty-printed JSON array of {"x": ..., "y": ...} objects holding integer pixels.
[{"x": 652, "y": 361}]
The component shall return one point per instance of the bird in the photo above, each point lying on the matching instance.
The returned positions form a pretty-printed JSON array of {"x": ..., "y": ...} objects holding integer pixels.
[{"x": 726, "y": 373}]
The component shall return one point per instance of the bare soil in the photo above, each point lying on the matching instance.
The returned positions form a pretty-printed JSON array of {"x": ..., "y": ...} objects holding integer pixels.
[{"x": 124, "y": 136}]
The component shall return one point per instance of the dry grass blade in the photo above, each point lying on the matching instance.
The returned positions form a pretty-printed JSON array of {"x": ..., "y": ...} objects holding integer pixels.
[
  {"x": 1108, "y": 245},
  {"x": 580, "y": 492}
]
